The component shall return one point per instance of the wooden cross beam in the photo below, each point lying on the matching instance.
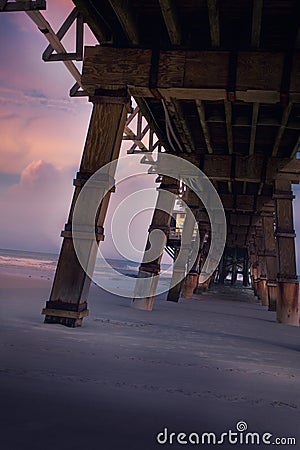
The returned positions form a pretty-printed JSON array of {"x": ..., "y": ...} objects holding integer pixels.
[
  {"x": 127, "y": 20},
  {"x": 214, "y": 23},
  {"x": 184, "y": 74},
  {"x": 256, "y": 23},
  {"x": 204, "y": 125},
  {"x": 171, "y": 21}
]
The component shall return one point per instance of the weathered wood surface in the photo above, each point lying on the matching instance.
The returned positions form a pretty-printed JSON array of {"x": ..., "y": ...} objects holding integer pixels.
[
  {"x": 71, "y": 283},
  {"x": 172, "y": 22},
  {"x": 258, "y": 74}
]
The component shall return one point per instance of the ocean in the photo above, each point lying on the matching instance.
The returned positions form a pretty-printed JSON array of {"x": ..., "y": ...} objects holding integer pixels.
[{"x": 114, "y": 275}]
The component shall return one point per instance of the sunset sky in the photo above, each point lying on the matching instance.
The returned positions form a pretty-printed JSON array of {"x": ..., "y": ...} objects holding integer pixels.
[{"x": 42, "y": 135}]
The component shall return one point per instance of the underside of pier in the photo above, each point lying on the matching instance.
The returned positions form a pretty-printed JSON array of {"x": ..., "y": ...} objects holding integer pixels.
[{"x": 219, "y": 84}]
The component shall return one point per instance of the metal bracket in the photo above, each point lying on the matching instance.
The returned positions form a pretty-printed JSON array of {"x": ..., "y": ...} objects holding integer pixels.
[
  {"x": 30, "y": 5},
  {"x": 78, "y": 55}
]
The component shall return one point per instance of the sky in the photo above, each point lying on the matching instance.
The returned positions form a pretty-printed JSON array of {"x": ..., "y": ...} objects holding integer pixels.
[{"x": 42, "y": 134}]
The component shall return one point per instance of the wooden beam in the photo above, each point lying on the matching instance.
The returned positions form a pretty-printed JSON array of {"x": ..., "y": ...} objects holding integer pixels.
[
  {"x": 171, "y": 21},
  {"x": 127, "y": 20},
  {"x": 206, "y": 132},
  {"x": 228, "y": 115},
  {"x": 285, "y": 117},
  {"x": 183, "y": 74},
  {"x": 184, "y": 133},
  {"x": 100, "y": 30},
  {"x": 214, "y": 23},
  {"x": 297, "y": 43},
  {"x": 253, "y": 127},
  {"x": 256, "y": 23}
]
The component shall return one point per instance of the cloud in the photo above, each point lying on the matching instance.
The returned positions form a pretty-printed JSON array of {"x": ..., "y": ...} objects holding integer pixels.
[{"x": 36, "y": 208}]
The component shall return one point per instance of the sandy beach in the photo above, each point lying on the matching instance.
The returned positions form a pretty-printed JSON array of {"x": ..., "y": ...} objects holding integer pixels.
[{"x": 202, "y": 365}]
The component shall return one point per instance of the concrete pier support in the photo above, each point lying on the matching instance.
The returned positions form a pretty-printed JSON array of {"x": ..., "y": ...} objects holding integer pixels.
[
  {"x": 68, "y": 300},
  {"x": 288, "y": 286}
]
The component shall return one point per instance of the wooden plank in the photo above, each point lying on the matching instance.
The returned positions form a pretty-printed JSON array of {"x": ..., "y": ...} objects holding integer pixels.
[
  {"x": 194, "y": 94},
  {"x": 214, "y": 22},
  {"x": 206, "y": 69},
  {"x": 170, "y": 67},
  {"x": 259, "y": 70},
  {"x": 245, "y": 202},
  {"x": 285, "y": 117},
  {"x": 217, "y": 167},
  {"x": 228, "y": 115},
  {"x": 258, "y": 96},
  {"x": 171, "y": 21},
  {"x": 248, "y": 168},
  {"x": 256, "y": 23},
  {"x": 65, "y": 314},
  {"x": 203, "y": 72},
  {"x": 204, "y": 125},
  {"x": 295, "y": 73},
  {"x": 253, "y": 127},
  {"x": 127, "y": 20}
]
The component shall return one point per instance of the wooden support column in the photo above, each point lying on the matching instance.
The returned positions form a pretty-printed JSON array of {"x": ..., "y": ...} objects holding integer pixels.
[
  {"x": 234, "y": 267},
  {"x": 147, "y": 280},
  {"x": 178, "y": 274},
  {"x": 203, "y": 287},
  {"x": 192, "y": 277},
  {"x": 262, "y": 290},
  {"x": 271, "y": 258},
  {"x": 68, "y": 300},
  {"x": 246, "y": 271},
  {"x": 288, "y": 286},
  {"x": 223, "y": 268},
  {"x": 253, "y": 262}
]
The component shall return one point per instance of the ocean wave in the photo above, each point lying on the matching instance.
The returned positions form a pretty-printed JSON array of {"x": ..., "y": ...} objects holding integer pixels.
[{"x": 41, "y": 264}]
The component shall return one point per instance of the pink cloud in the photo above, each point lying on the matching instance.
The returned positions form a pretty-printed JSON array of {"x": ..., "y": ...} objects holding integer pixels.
[{"x": 36, "y": 208}]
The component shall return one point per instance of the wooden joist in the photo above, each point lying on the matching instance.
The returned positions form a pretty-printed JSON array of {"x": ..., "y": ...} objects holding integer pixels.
[
  {"x": 204, "y": 125},
  {"x": 249, "y": 169},
  {"x": 253, "y": 127},
  {"x": 183, "y": 131},
  {"x": 256, "y": 23},
  {"x": 285, "y": 117},
  {"x": 214, "y": 22},
  {"x": 171, "y": 21},
  {"x": 228, "y": 115},
  {"x": 100, "y": 30},
  {"x": 127, "y": 20}
]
